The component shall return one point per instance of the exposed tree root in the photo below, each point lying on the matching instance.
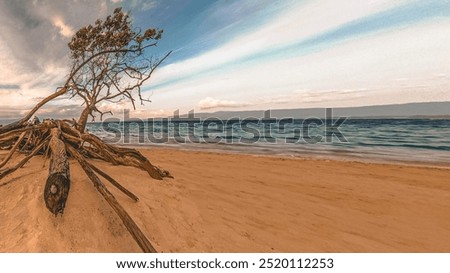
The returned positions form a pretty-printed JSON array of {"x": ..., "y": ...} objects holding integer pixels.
[
  {"x": 7, "y": 171},
  {"x": 13, "y": 149},
  {"x": 103, "y": 70},
  {"x": 60, "y": 139},
  {"x": 132, "y": 227},
  {"x": 114, "y": 182}
]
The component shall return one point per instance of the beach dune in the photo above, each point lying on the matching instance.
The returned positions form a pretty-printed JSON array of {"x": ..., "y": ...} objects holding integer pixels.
[{"x": 221, "y": 202}]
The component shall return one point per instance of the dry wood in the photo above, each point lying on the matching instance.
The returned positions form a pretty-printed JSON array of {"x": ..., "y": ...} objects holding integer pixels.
[
  {"x": 57, "y": 186},
  {"x": 8, "y": 134},
  {"x": 126, "y": 157},
  {"x": 114, "y": 182},
  {"x": 46, "y": 156},
  {"x": 10, "y": 127},
  {"x": 115, "y": 69},
  {"x": 71, "y": 138},
  {"x": 27, "y": 143},
  {"x": 12, "y": 135},
  {"x": 13, "y": 149},
  {"x": 7, "y": 171},
  {"x": 92, "y": 153},
  {"x": 129, "y": 223}
]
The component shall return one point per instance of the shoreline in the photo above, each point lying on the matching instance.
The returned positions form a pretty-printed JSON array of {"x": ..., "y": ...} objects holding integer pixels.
[
  {"x": 344, "y": 157},
  {"x": 227, "y": 202}
]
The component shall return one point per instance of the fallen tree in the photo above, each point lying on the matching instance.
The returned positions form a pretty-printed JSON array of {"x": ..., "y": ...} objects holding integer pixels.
[{"x": 109, "y": 65}]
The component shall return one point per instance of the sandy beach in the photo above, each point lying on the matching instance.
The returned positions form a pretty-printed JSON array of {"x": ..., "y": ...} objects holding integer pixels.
[{"x": 221, "y": 202}]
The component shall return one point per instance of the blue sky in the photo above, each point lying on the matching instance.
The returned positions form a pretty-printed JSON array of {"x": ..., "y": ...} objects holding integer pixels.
[
  {"x": 195, "y": 26},
  {"x": 246, "y": 55}
]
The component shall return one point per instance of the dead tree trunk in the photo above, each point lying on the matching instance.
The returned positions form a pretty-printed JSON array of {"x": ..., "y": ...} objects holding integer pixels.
[
  {"x": 82, "y": 121},
  {"x": 57, "y": 186}
]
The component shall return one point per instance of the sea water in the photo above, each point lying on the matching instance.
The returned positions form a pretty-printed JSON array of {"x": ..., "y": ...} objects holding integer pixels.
[{"x": 409, "y": 140}]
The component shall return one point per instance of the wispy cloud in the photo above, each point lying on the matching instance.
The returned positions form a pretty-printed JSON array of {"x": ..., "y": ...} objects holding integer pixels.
[
  {"x": 141, "y": 5},
  {"x": 64, "y": 29},
  {"x": 250, "y": 67},
  {"x": 295, "y": 54},
  {"x": 210, "y": 103},
  {"x": 288, "y": 28}
]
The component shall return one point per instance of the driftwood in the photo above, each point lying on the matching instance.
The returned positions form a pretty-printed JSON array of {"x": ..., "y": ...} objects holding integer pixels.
[
  {"x": 57, "y": 187},
  {"x": 114, "y": 182},
  {"x": 13, "y": 149},
  {"x": 61, "y": 138},
  {"x": 10, "y": 170}
]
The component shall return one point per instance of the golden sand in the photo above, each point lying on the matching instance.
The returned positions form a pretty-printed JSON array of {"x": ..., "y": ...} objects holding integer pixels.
[{"x": 222, "y": 202}]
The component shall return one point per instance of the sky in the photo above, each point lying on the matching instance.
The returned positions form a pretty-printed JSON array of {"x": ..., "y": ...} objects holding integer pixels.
[{"x": 235, "y": 55}]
